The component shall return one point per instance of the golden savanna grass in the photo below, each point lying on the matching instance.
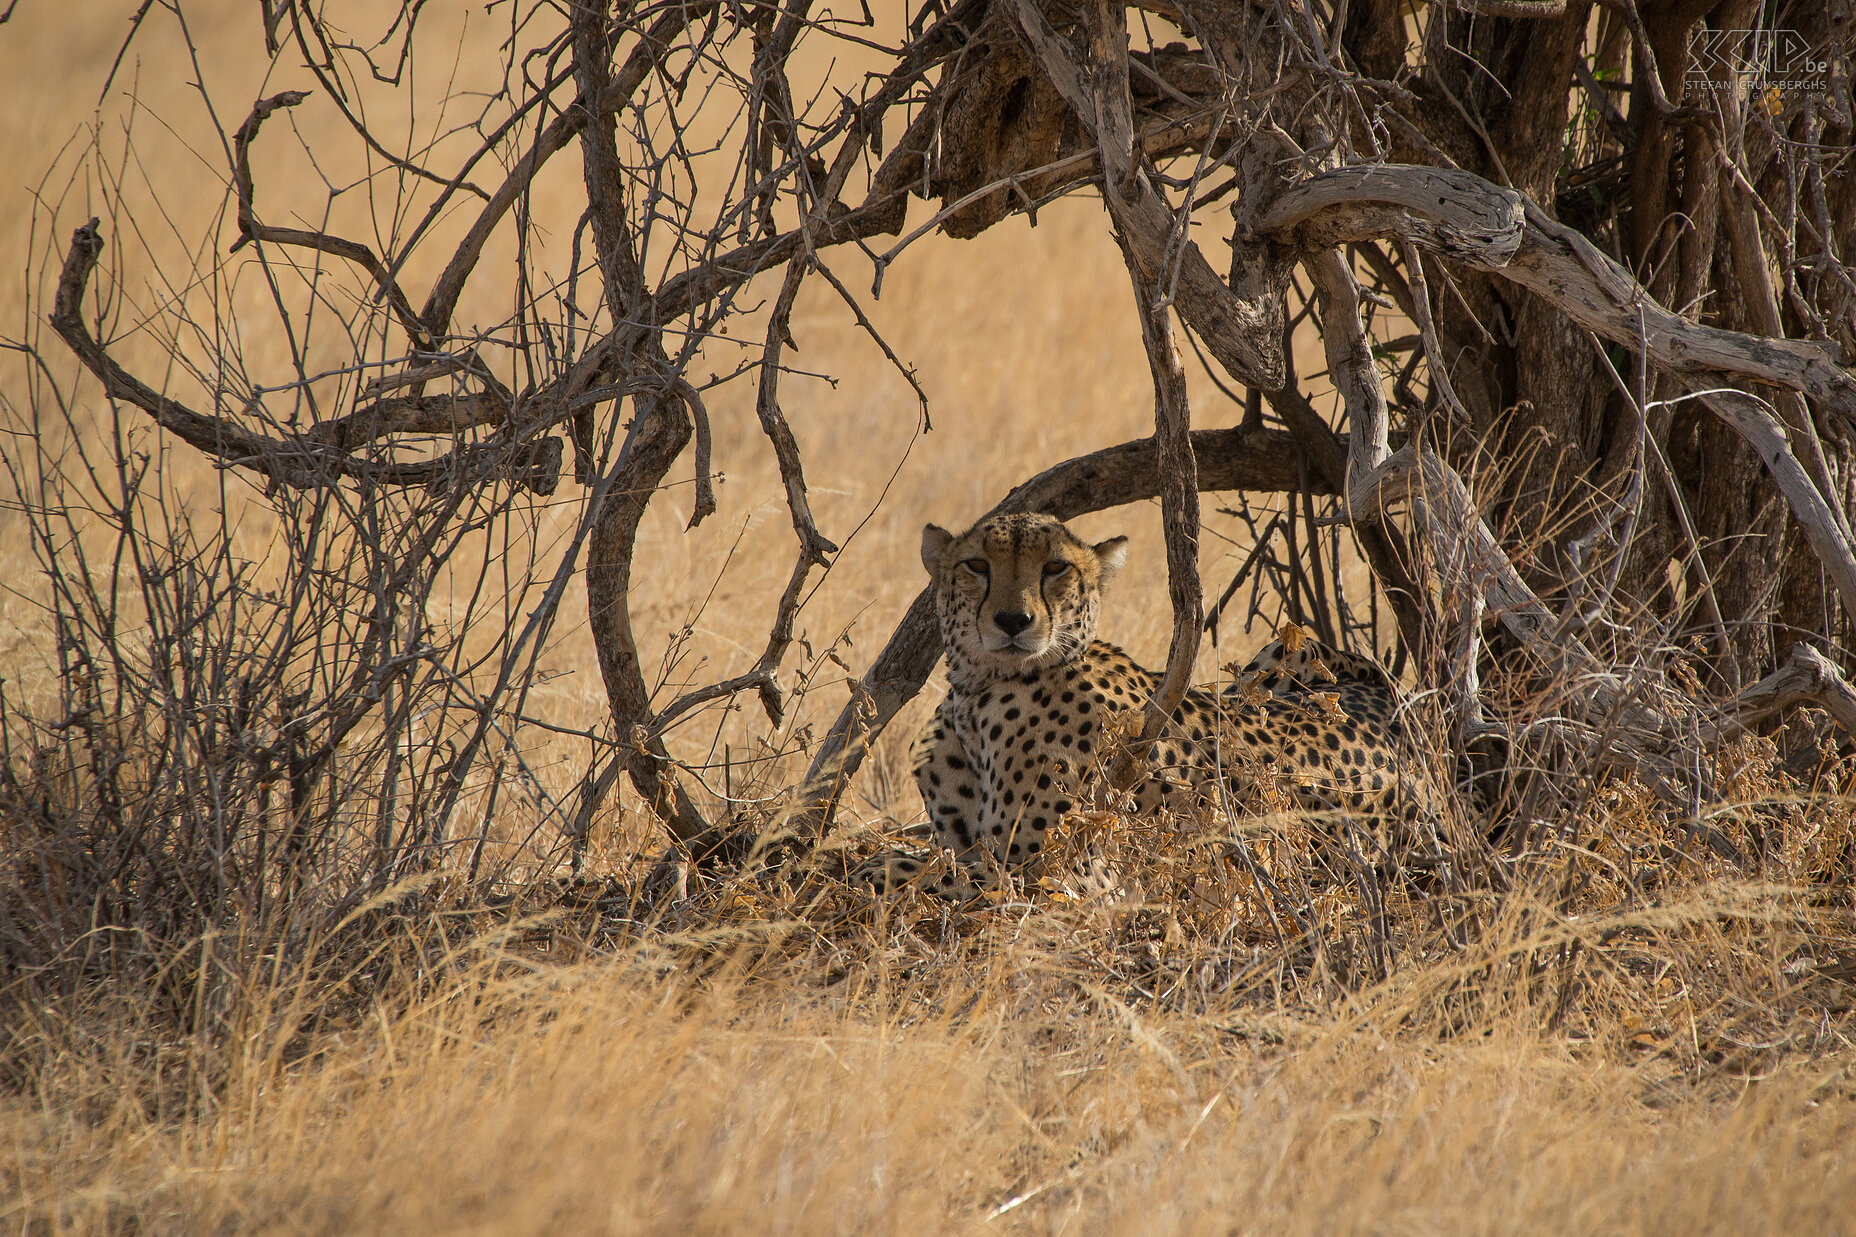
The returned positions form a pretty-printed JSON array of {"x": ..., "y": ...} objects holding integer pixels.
[{"x": 1630, "y": 1037}]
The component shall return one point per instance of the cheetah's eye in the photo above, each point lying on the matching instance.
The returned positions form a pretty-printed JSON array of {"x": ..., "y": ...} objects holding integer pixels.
[
  {"x": 978, "y": 566},
  {"x": 1053, "y": 570}
]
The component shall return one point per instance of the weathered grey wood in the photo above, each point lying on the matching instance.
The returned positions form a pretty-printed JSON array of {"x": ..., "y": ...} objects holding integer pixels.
[
  {"x": 1807, "y": 677},
  {"x": 1476, "y": 572},
  {"x": 1586, "y": 285},
  {"x": 1351, "y": 370},
  {"x": 1753, "y": 421},
  {"x": 1455, "y": 214},
  {"x": 1461, "y": 216}
]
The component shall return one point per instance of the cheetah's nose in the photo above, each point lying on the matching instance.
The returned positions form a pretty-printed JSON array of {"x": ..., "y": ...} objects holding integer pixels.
[{"x": 1011, "y": 622}]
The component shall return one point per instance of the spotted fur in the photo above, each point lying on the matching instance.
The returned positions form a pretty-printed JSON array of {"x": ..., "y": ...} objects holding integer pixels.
[{"x": 1035, "y": 703}]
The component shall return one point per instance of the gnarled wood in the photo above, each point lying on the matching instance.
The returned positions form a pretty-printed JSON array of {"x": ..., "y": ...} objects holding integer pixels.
[
  {"x": 657, "y": 437},
  {"x": 1807, "y": 677},
  {"x": 1462, "y": 217}
]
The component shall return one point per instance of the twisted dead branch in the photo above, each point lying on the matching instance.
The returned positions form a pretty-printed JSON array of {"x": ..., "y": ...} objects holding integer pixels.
[
  {"x": 1460, "y": 217},
  {"x": 1807, "y": 677},
  {"x": 1096, "y": 87},
  {"x": 250, "y": 229}
]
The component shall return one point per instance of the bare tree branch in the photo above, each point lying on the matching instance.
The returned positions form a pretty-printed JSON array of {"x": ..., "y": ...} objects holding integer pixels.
[
  {"x": 1807, "y": 677},
  {"x": 1461, "y": 216},
  {"x": 251, "y": 230},
  {"x": 646, "y": 57},
  {"x": 658, "y": 435},
  {"x": 1456, "y": 210},
  {"x": 1245, "y": 335},
  {"x": 309, "y": 461}
]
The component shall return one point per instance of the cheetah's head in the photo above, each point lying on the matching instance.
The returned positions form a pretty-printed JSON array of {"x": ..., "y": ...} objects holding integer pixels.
[{"x": 1017, "y": 592}]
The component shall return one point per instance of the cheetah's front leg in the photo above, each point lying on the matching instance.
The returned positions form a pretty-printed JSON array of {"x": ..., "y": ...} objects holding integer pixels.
[
  {"x": 951, "y": 790},
  {"x": 950, "y": 787}
]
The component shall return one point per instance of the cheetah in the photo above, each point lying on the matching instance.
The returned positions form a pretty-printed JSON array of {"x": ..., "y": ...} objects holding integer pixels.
[{"x": 1035, "y": 703}]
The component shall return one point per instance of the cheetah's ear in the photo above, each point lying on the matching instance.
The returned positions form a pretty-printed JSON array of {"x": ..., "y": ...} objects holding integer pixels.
[
  {"x": 935, "y": 541},
  {"x": 1112, "y": 555}
]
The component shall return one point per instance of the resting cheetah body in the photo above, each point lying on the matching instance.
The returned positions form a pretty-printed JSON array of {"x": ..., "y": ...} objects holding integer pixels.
[{"x": 1033, "y": 698}]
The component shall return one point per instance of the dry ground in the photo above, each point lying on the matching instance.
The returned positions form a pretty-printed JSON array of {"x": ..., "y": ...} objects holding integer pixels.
[{"x": 1627, "y": 1043}]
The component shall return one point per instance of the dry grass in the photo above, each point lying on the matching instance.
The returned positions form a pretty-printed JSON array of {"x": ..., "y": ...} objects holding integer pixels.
[
  {"x": 1628, "y": 1040},
  {"x": 1022, "y": 1070}
]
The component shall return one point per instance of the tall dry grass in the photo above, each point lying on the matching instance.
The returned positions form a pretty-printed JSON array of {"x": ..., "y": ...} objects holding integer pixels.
[
  {"x": 1026, "y": 1070},
  {"x": 1624, "y": 1036}
]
